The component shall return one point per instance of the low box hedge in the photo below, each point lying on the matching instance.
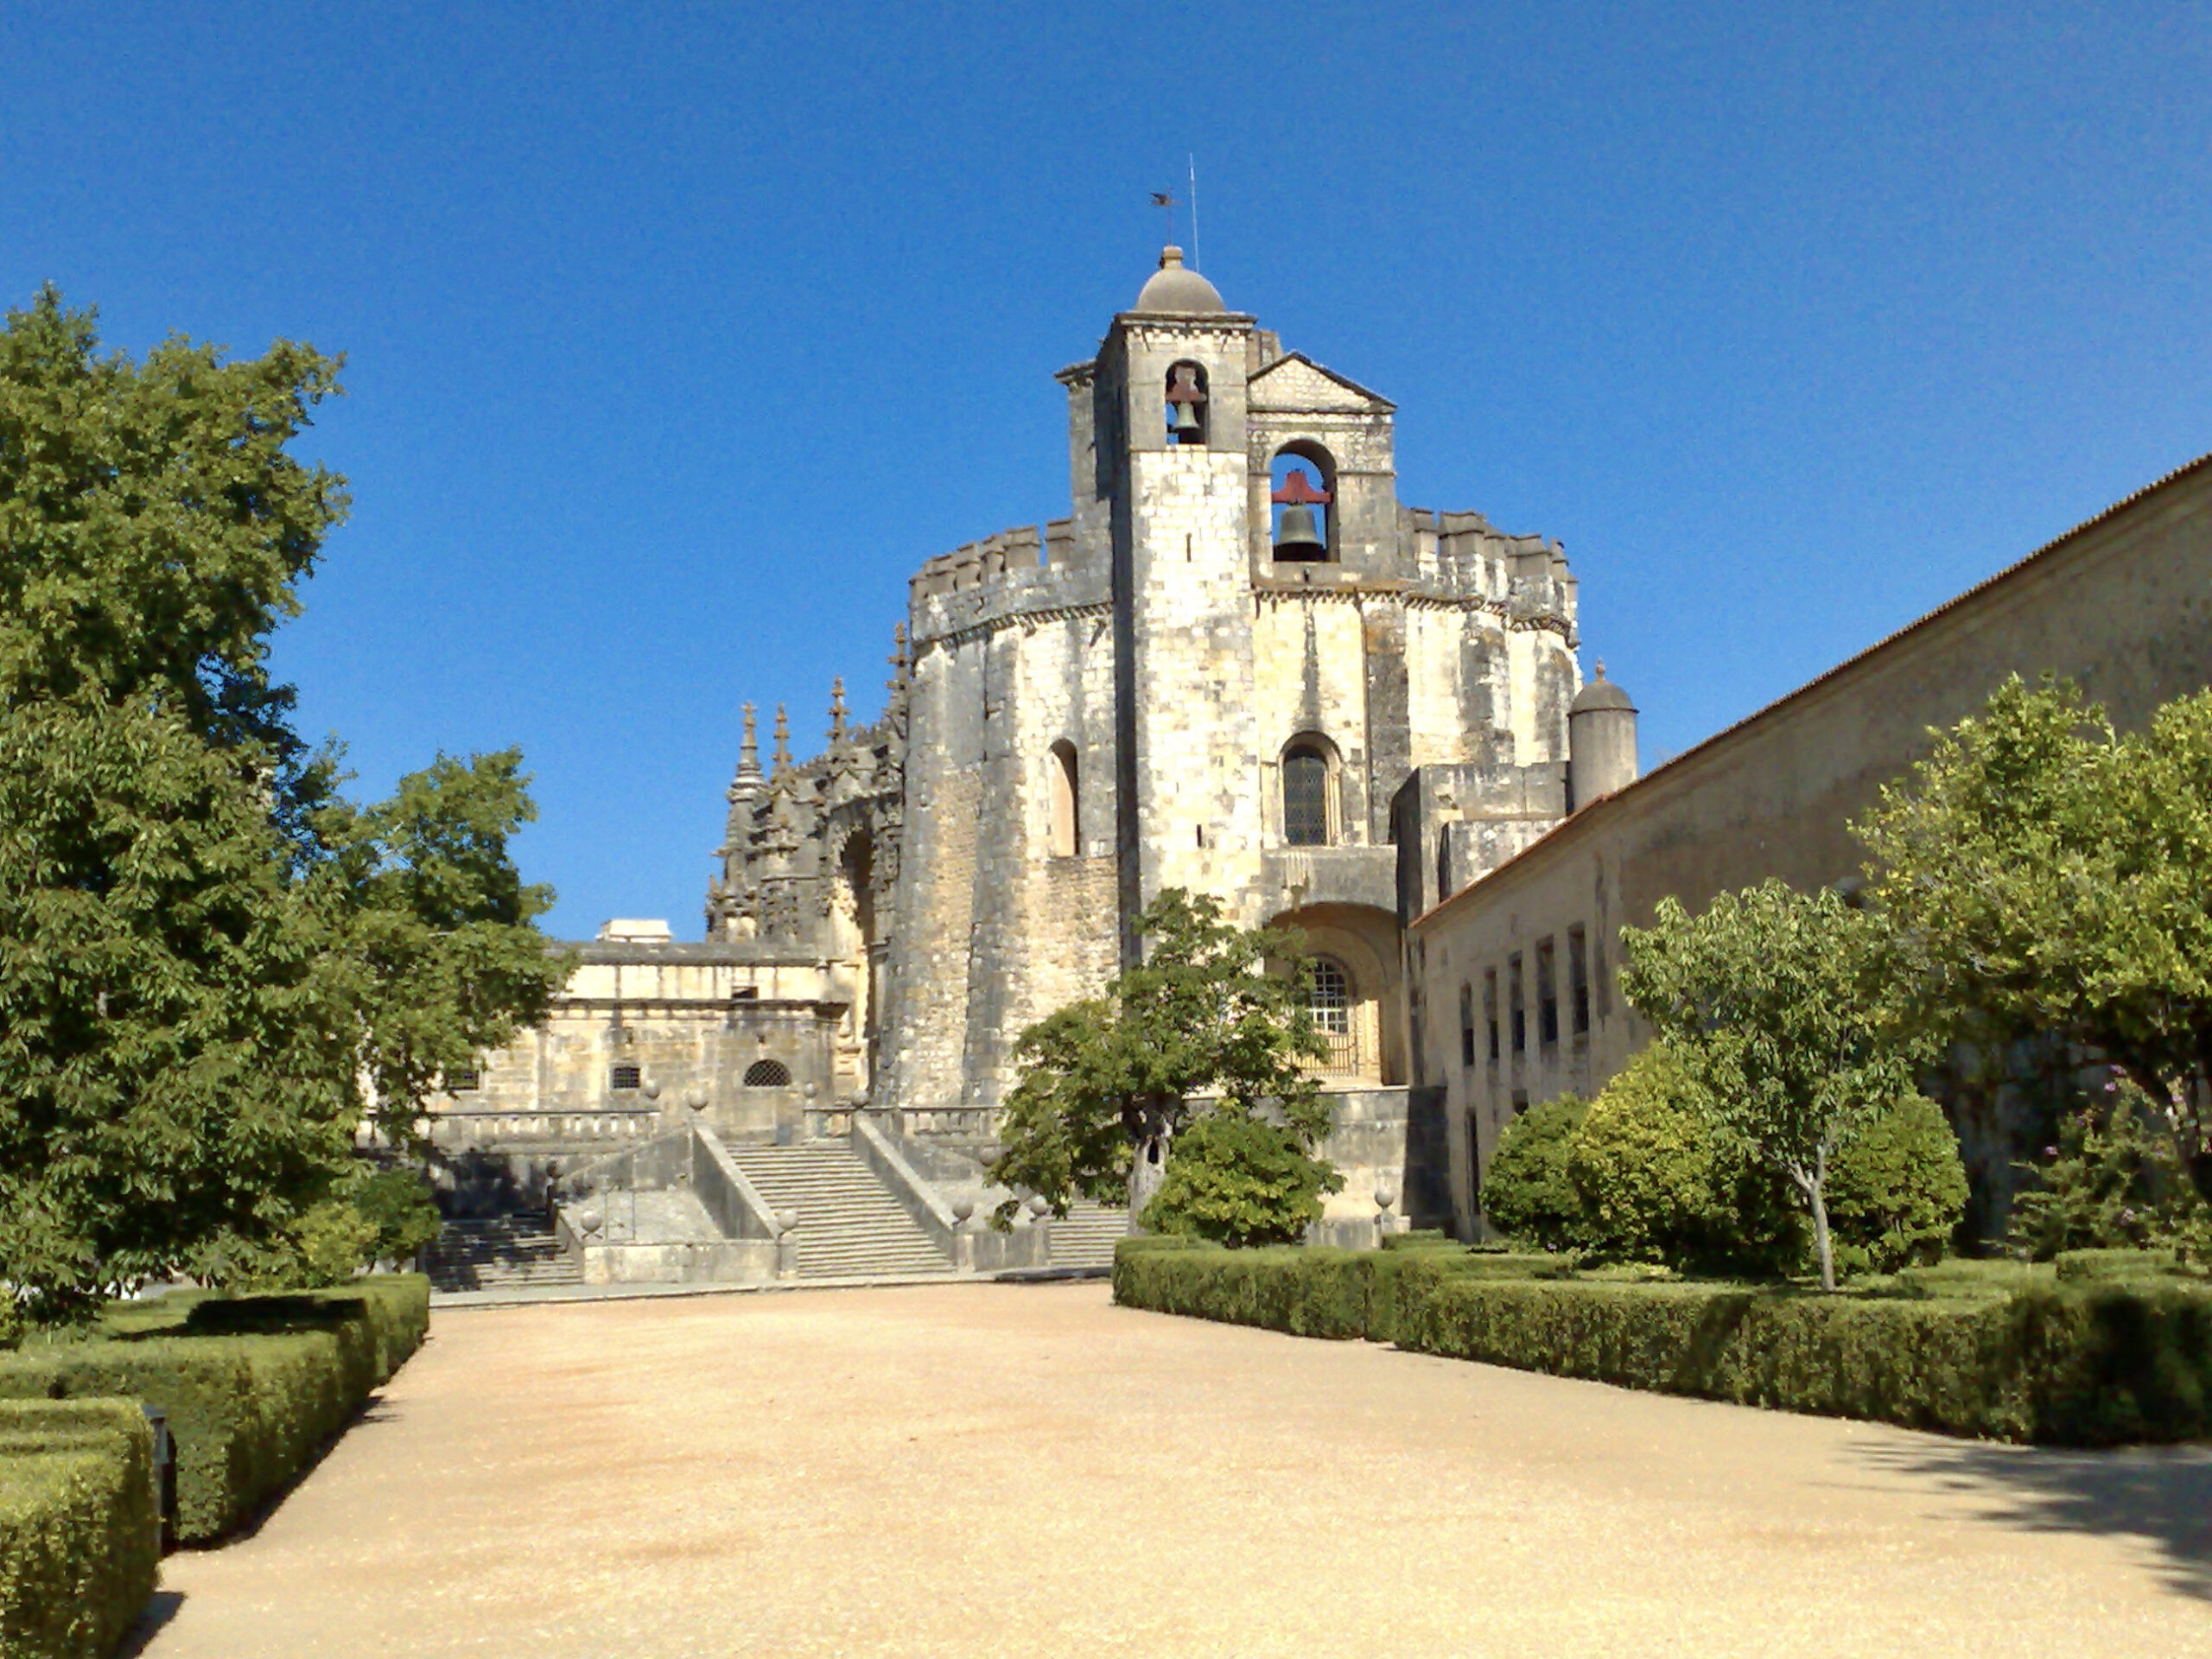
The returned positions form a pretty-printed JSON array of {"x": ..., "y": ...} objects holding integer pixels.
[
  {"x": 254, "y": 1386},
  {"x": 79, "y": 1541},
  {"x": 2019, "y": 1357}
]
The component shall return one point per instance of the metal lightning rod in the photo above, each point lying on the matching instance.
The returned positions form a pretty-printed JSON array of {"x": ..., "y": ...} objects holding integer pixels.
[{"x": 1195, "y": 265}]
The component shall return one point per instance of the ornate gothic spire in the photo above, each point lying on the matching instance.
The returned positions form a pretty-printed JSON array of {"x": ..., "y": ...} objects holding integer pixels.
[
  {"x": 748, "y": 757},
  {"x": 782, "y": 758},
  {"x": 837, "y": 713}
]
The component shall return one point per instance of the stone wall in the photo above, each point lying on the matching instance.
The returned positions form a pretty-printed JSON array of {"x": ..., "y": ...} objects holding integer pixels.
[{"x": 2123, "y": 604}]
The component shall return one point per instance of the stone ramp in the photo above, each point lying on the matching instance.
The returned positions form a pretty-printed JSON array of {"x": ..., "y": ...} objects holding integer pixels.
[
  {"x": 849, "y": 1225},
  {"x": 498, "y": 1253}
]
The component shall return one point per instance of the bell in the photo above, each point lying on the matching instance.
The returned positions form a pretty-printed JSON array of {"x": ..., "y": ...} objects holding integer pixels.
[
  {"x": 1184, "y": 427},
  {"x": 1298, "y": 536}
]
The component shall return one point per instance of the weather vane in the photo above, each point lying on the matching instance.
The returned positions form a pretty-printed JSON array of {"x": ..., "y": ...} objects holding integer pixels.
[{"x": 1165, "y": 200}]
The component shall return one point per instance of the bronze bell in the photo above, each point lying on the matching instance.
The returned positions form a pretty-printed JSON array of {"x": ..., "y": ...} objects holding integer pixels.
[
  {"x": 1299, "y": 537},
  {"x": 1184, "y": 427}
]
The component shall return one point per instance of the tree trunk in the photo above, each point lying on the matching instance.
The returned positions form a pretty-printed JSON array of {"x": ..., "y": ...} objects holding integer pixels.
[
  {"x": 1147, "y": 1170},
  {"x": 1815, "y": 1188}
]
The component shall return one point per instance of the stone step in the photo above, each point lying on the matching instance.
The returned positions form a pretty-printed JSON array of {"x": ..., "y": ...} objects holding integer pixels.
[
  {"x": 849, "y": 1225},
  {"x": 482, "y": 1253}
]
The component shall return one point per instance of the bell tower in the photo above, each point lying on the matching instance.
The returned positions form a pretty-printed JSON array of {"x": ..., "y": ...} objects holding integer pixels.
[{"x": 1174, "y": 477}]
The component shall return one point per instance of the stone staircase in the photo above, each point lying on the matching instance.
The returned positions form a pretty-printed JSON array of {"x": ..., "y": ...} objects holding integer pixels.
[
  {"x": 1086, "y": 1238},
  {"x": 848, "y": 1226},
  {"x": 500, "y": 1253}
]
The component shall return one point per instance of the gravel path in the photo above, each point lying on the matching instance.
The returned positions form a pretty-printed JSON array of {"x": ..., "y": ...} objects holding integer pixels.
[{"x": 1031, "y": 1471}]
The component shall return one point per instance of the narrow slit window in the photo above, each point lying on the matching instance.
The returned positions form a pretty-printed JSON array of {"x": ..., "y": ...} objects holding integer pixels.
[
  {"x": 1490, "y": 1009},
  {"x": 1578, "y": 978},
  {"x": 1517, "y": 1011},
  {"x": 1546, "y": 994},
  {"x": 1466, "y": 1024}
]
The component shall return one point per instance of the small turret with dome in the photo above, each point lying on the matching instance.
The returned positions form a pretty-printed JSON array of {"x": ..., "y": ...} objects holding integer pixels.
[
  {"x": 1600, "y": 741},
  {"x": 1176, "y": 290}
]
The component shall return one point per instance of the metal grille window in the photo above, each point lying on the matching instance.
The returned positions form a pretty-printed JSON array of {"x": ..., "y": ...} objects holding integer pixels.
[
  {"x": 1305, "y": 798},
  {"x": 462, "y": 1077},
  {"x": 1332, "y": 1000},
  {"x": 767, "y": 1074},
  {"x": 624, "y": 1077}
]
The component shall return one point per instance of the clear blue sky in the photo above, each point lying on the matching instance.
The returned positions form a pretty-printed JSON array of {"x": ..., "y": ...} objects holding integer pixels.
[{"x": 678, "y": 336}]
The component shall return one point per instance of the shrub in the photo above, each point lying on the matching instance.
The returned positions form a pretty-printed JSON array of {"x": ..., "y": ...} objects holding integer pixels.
[
  {"x": 1658, "y": 1178},
  {"x": 254, "y": 1386},
  {"x": 398, "y": 1205},
  {"x": 79, "y": 1549},
  {"x": 1896, "y": 1189},
  {"x": 2113, "y": 1180},
  {"x": 1527, "y": 1191},
  {"x": 2010, "y": 1354},
  {"x": 1238, "y": 1180}
]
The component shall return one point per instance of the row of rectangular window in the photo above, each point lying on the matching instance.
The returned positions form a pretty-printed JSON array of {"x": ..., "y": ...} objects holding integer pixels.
[{"x": 1516, "y": 1009}]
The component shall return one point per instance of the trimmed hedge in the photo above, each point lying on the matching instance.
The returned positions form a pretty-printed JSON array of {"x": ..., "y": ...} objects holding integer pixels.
[
  {"x": 254, "y": 1386},
  {"x": 2104, "y": 1363},
  {"x": 79, "y": 1550}
]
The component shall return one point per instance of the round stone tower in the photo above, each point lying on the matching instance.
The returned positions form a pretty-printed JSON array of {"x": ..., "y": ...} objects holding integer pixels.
[{"x": 1600, "y": 743}]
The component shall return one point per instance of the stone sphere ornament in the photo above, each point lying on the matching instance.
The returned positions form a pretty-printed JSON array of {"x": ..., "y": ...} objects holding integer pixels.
[
  {"x": 786, "y": 1220},
  {"x": 1385, "y": 1195},
  {"x": 1040, "y": 1206},
  {"x": 652, "y": 1090},
  {"x": 696, "y": 1098},
  {"x": 591, "y": 1221},
  {"x": 963, "y": 1208}
]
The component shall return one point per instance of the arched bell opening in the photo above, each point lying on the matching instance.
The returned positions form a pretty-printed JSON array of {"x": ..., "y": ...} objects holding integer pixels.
[
  {"x": 1187, "y": 404},
  {"x": 1352, "y": 991},
  {"x": 1302, "y": 494},
  {"x": 1064, "y": 805}
]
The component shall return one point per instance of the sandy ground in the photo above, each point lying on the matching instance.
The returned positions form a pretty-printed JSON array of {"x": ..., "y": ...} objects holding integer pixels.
[{"x": 1030, "y": 1471}]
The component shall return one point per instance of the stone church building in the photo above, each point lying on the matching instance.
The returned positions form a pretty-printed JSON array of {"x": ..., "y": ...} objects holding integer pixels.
[{"x": 1240, "y": 665}]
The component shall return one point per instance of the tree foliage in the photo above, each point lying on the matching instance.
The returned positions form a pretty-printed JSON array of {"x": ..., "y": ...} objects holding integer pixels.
[
  {"x": 1528, "y": 1192},
  {"x": 2043, "y": 874},
  {"x": 1239, "y": 1179},
  {"x": 1107, "y": 1083},
  {"x": 202, "y": 947},
  {"x": 1765, "y": 999}
]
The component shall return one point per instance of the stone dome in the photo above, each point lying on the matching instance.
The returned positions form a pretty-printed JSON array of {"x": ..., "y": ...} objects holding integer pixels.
[
  {"x": 1175, "y": 289},
  {"x": 1600, "y": 693}
]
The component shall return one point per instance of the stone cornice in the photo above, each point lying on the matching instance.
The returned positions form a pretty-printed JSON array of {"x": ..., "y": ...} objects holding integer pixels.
[{"x": 1028, "y": 622}]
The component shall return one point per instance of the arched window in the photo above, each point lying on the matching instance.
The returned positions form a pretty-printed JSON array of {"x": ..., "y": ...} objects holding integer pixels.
[
  {"x": 1306, "y": 776},
  {"x": 1331, "y": 998},
  {"x": 1065, "y": 801},
  {"x": 1186, "y": 405},
  {"x": 767, "y": 1074},
  {"x": 1302, "y": 480}
]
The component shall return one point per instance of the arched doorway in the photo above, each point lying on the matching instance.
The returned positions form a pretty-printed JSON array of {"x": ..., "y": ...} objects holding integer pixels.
[{"x": 1353, "y": 991}]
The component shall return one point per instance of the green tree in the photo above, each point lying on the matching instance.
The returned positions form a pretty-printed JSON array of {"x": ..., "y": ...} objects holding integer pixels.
[
  {"x": 174, "y": 1050},
  {"x": 2044, "y": 875},
  {"x": 439, "y": 928},
  {"x": 190, "y": 920},
  {"x": 1765, "y": 1001},
  {"x": 1107, "y": 1083}
]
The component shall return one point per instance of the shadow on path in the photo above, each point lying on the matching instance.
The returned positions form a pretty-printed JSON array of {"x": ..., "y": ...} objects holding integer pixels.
[
  {"x": 161, "y": 1607},
  {"x": 2160, "y": 1494}
]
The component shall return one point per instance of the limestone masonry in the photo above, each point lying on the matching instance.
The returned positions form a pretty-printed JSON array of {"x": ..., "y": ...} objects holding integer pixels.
[{"x": 1231, "y": 664}]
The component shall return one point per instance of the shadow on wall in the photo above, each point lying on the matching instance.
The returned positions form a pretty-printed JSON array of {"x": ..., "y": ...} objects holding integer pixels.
[{"x": 2160, "y": 1494}]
